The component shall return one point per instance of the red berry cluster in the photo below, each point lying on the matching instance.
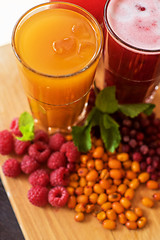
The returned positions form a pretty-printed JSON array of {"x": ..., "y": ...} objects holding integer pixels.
[{"x": 48, "y": 160}]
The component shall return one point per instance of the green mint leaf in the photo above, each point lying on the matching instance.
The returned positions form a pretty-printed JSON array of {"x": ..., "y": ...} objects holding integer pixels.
[
  {"x": 106, "y": 100},
  {"x": 26, "y": 127},
  {"x": 81, "y": 134},
  {"x": 109, "y": 122},
  {"x": 110, "y": 135},
  {"x": 133, "y": 110},
  {"x": 82, "y": 138}
]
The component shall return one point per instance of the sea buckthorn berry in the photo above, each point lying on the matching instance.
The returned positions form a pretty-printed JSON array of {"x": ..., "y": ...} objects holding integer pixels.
[
  {"x": 104, "y": 174},
  {"x": 127, "y": 164},
  {"x": 115, "y": 174},
  {"x": 73, "y": 184},
  {"x": 131, "y": 216},
  {"x": 84, "y": 158},
  {"x": 151, "y": 184},
  {"x": 122, "y": 157},
  {"x": 80, "y": 207},
  {"x": 97, "y": 188},
  {"x": 122, "y": 218},
  {"x": 114, "y": 163},
  {"x": 102, "y": 198},
  {"x": 98, "y": 152},
  {"x": 129, "y": 194},
  {"x": 90, "y": 164},
  {"x": 87, "y": 190},
  {"x": 143, "y": 177},
  {"x": 141, "y": 222},
  {"x": 126, "y": 181},
  {"x": 114, "y": 197},
  {"x": 82, "y": 182},
  {"x": 79, "y": 217},
  {"x": 105, "y": 157},
  {"x": 138, "y": 211},
  {"x": 82, "y": 172},
  {"x": 111, "y": 214},
  {"x": 105, "y": 183},
  {"x": 79, "y": 190},
  {"x": 93, "y": 198},
  {"x": 117, "y": 207},
  {"x": 73, "y": 177},
  {"x": 131, "y": 225},
  {"x": 147, "y": 202},
  {"x": 117, "y": 182},
  {"x": 134, "y": 184},
  {"x": 112, "y": 189},
  {"x": 156, "y": 196},
  {"x": 70, "y": 190},
  {"x": 101, "y": 216},
  {"x": 130, "y": 174},
  {"x": 98, "y": 164},
  {"x": 106, "y": 206},
  {"x": 72, "y": 202},
  {"x": 90, "y": 183},
  {"x": 125, "y": 203},
  {"x": 122, "y": 188},
  {"x": 135, "y": 166},
  {"x": 109, "y": 224},
  {"x": 92, "y": 175},
  {"x": 99, "y": 142},
  {"x": 82, "y": 199},
  {"x": 90, "y": 208}
]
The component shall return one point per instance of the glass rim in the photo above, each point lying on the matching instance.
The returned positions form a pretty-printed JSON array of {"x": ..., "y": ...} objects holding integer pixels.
[
  {"x": 142, "y": 50},
  {"x": 82, "y": 11}
]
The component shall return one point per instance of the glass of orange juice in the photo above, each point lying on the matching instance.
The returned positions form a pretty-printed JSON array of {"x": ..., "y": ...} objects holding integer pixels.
[{"x": 57, "y": 46}]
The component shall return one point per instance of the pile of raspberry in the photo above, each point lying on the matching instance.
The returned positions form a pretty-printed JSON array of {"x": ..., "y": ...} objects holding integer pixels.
[{"x": 47, "y": 160}]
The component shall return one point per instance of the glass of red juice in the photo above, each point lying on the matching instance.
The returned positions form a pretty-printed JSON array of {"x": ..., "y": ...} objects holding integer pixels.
[
  {"x": 95, "y": 7},
  {"x": 132, "y": 48}
]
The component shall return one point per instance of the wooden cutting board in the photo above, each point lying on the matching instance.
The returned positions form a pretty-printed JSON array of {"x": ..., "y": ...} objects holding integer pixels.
[{"x": 49, "y": 223}]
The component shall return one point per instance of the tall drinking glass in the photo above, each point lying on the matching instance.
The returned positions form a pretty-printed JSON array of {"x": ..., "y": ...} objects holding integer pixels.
[
  {"x": 57, "y": 46},
  {"x": 132, "y": 48}
]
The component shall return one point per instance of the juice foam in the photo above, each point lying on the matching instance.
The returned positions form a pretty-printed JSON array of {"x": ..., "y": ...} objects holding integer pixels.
[{"x": 137, "y": 22}]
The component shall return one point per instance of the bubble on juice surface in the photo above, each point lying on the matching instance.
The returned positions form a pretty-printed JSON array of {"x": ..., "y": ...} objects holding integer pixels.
[
  {"x": 65, "y": 46},
  {"x": 80, "y": 30},
  {"x": 85, "y": 47}
]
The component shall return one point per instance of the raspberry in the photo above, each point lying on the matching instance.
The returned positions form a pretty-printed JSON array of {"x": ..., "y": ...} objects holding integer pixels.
[
  {"x": 71, "y": 167},
  {"x": 42, "y": 136},
  {"x": 56, "y": 141},
  {"x": 70, "y": 151},
  {"x": 38, "y": 196},
  {"x": 39, "y": 177},
  {"x": 11, "y": 168},
  {"x": 59, "y": 177},
  {"x": 56, "y": 160},
  {"x": 6, "y": 142},
  {"x": 29, "y": 164},
  {"x": 15, "y": 127},
  {"x": 58, "y": 196},
  {"x": 40, "y": 151},
  {"x": 20, "y": 147}
]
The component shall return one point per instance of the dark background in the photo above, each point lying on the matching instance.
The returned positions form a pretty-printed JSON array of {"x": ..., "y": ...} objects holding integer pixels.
[{"x": 9, "y": 228}]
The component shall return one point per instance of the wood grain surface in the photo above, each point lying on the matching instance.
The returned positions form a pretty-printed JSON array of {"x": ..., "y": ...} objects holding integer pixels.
[{"x": 49, "y": 223}]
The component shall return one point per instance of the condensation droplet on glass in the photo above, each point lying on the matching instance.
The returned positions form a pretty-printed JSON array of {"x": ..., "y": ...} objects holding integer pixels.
[{"x": 64, "y": 46}]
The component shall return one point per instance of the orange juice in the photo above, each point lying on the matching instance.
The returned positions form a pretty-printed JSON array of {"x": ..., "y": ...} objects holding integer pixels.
[{"x": 58, "y": 46}]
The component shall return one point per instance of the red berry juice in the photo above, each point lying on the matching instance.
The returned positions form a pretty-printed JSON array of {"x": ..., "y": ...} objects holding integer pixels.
[
  {"x": 132, "y": 48},
  {"x": 95, "y": 7}
]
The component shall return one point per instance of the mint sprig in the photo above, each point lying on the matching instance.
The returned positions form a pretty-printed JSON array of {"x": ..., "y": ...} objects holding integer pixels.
[
  {"x": 26, "y": 127},
  {"x": 106, "y": 104}
]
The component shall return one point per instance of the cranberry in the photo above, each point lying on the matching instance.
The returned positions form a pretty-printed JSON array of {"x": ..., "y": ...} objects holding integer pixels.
[
  {"x": 143, "y": 166},
  {"x": 144, "y": 149},
  {"x": 133, "y": 143},
  {"x": 137, "y": 157},
  {"x": 140, "y": 136}
]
